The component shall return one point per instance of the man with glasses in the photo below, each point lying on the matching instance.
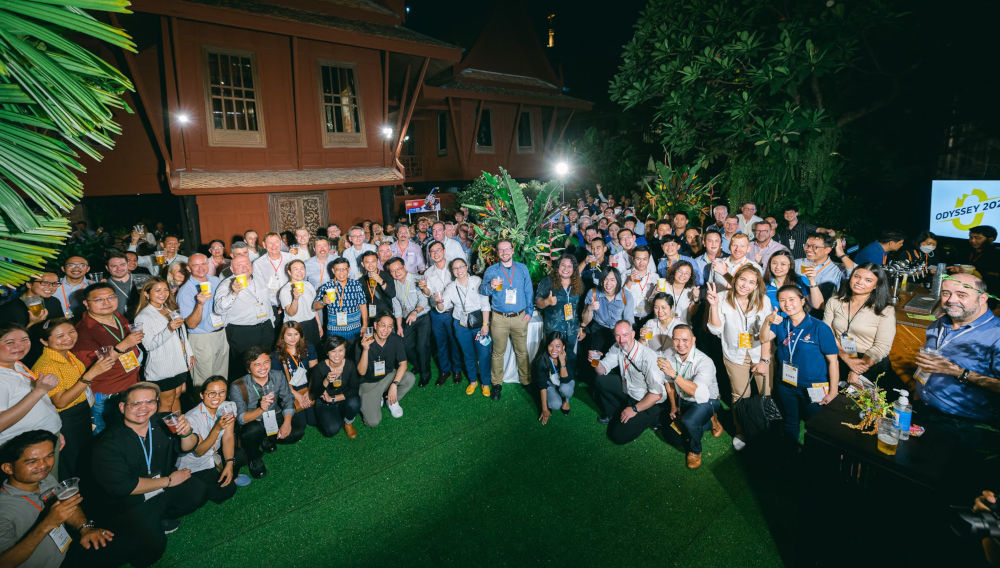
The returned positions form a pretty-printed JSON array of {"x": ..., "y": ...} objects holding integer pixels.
[
  {"x": 763, "y": 246},
  {"x": 141, "y": 494},
  {"x": 169, "y": 245},
  {"x": 205, "y": 328},
  {"x": 356, "y": 235},
  {"x": 317, "y": 271},
  {"x": 817, "y": 266},
  {"x": 39, "y": 289},
  {"x": 126, "y": 286},
  {"x": 269, "y": 270},
  {"x": 241, "y": 300},
  {"x": 630, "y": 400},
  {"x": 406, "y": 249},
  {"x": 102, "y": 328},
  {"x": 382, "y": 365},
  {"x": 508, "y": 286},
  {"x": 75, "y": 271}
]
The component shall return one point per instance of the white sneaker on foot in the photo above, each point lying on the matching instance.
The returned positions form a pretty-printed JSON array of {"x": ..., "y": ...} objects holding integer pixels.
[
  {"x": 396, "y": 410},
  {"x": 738, "y": 443}
]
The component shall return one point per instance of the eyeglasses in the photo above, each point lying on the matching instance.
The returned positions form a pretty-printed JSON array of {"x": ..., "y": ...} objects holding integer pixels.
[
  {"x": 77, "y": 265},
  {"x": 814, "y": 247},
  {"x": 104, "y": 299},
  {"x": 139, "y": 403},
  {"x": 215, "y": 394},
  {"x": 47, "y": 284}
]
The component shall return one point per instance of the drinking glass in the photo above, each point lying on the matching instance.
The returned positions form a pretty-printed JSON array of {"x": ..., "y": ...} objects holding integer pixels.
[
  {"x": 888, "y": 436},
  {"x": 171, "y": 420},
  {"x": 67, "y": 488}
]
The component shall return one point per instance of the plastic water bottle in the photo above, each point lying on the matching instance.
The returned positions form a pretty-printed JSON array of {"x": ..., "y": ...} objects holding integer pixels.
[{"x": 904, "y": 414}]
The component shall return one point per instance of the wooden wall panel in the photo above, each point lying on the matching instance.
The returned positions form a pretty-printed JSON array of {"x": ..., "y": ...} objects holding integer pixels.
[
  {"x": 351, "y": 206},
  {"x": 223, "y": 216},
  {"x": 274, "y": 78},
  {"x": 131, "y": 168}
]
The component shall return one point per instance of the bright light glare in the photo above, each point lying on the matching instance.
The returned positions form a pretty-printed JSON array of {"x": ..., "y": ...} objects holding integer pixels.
[
  {"x": 387, "y": 132},
  {"x": 183, "y": 118},
  {"x": 562, "y": 168}
]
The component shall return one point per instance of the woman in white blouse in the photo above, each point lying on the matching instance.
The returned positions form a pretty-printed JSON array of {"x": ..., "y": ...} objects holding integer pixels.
[
  {"x": 736, "y": 316},
  {"x": 681, "y": 285},
  {"x": 296, "y": 297},
  {"x": 468, "y": 306},
  {"x": 657, "y": 332},
  {"x": 165, "y": 341}
]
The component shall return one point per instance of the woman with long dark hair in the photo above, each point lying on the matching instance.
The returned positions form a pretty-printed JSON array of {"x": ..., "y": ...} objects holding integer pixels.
[
  {"x": 864, "y": 324},
  {"x": 605, "y": 305},
  {"x": 169, "y": 355},
  {"x": 294, "y": 356},
  {"x": 681, "y": 285},
  {"x": 780, "y": 272},
  {"x": 558, "y": 297},
  {"x": 553, "y": 376}
]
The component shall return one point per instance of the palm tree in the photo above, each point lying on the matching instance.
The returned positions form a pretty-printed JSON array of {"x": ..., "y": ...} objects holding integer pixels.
[{"x": 56, "y": 102}]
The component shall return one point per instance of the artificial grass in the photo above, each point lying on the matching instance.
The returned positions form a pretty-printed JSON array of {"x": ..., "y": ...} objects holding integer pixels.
[{"x": 462, "y": 480}]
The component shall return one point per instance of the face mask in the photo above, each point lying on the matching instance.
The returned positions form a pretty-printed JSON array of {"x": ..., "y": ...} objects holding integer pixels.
[
  {"x": 927, "y": 249},
  {"x": 618, "y": 210}
]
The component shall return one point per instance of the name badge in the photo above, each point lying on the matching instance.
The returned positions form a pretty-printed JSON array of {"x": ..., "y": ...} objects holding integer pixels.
[
  {"x": 270, "y": 422},
  {"x": 790, "y": 374},
  {"x": 341, "y": 319},
  {"x": 274, "y": 283},
  {"x": 151, "y": 494},
  {"x": 568, "y": 312},
  {"x": 554, "y": 379},
  {"x": 746, "y": 340},
  {"x": 128, "y": 361},
  {"x": 261, "y": 311},
  {"x": 849, "y": 345},
  {"x": 371, "y": 310},
  {"x": 511, "y": 296},
  {"x": 216, "y": 320},
  {"x": 818, "y": 391},
  {"x": 379, "y": 368},
  {"x": 61, "y": 537},
  {"x": 791, "y": 243}
]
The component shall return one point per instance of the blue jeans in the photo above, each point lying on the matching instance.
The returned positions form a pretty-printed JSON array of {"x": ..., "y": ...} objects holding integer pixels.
[
  {"x": 697, "y": 418},
  {"x": 330, "y": 418},
  {"x": 556, "y": 396},
  {"x": 795, "y": 406},
  {"x": 449, "y": 359},
  {"x": 473, "y": 353},
  {"x": 104, "y": 411}
]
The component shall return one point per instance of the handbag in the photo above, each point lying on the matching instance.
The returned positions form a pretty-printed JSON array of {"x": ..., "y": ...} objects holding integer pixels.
[
  {"x": 475, "y": 319},
  {"x": 754, "y": 412},
  {"x": 301, "y": 391}
]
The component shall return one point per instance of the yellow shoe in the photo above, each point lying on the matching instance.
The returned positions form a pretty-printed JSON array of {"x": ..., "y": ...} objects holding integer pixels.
[
  {"x": 470, "y": 389},
  {"x": 486, "y": 391}
]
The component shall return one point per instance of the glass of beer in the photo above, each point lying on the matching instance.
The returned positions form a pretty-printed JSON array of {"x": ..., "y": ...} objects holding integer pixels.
[
  {"x": 369, "y": 331},
  {"x": 498, "y": 286},
  {"x": 172, "y": 421},
  {"x": 593, "y": 264},
  {"x": 595, "y": 358},
  {"x": 647, "y": 332},
  {"x": 337, "y": 382},
  {"x": 205, "y": 288},
  {"x": 888, "y": 436},
  {"x": 294, "y": 250},
  {"x": 34, "y": 304},
  {"x": 67, "y": 488},
  {"x": 160, "y": 257}
]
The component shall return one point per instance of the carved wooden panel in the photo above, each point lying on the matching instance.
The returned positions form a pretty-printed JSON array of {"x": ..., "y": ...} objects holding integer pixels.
[{"x": 290, "y": 211}]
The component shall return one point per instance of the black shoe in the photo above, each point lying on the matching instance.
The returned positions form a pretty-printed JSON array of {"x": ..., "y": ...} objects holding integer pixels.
[
  {"x": 495, "y": 392},
  {"x": 565, "y": 411},
  {"x": 457, "y": 378},
  {"x": 269, "y": 445},
  {"x": 442, "y": 379},
  {"x": 423, "y": 382},
  {"x": 603, "y": 419},
  {"x": 170, "y": 525},
  {"x": 257, "y": 469}
]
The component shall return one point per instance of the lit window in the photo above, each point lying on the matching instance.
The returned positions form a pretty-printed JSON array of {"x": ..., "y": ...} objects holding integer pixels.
[
  {"x": 340, "y": 101},
  {"x": 233, "y": 99}
]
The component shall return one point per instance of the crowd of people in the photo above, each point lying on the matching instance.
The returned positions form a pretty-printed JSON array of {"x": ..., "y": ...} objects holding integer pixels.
[{"x": 213, "y": 360}]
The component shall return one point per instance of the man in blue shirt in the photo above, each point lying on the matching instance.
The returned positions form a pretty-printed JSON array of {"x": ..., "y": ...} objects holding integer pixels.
[
  {"x": 877, "y": 252},
  {"x": 960, "y": 378},
  {"x": 508, "y": 285},
  {"x": 205, "y": 328}
]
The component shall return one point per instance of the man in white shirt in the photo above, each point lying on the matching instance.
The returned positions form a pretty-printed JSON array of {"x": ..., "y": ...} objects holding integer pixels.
[
  {"x": 205, "y": 328},
  {"x": 693, "y": 391},
  {"x": 242, "y": 302},
  {"x": 170, "y": 244},
  {"x": 269, "y": 269},
  {"x": 452, "y": 248},
  {"x": 316, "y": 267},
  {"x": 725, "y": 268},
  {"x": 356, "y": 235},
  {"x": 763, "y": 246},
  {"x": 300, "y": 248},
  {"x": 436, "y": 279},
  {"x": 748, "y": 217},
  {"x": 630, "y": 400}
]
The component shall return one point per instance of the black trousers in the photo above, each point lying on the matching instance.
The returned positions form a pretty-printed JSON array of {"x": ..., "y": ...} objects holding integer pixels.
[
  {"x": 253, "y": 433},
  {"x": 416, "y": 338},
  {"x": 612, "y": 400},
  {"x": 140, "y": 526},
  {"x": 330, "y": 417},
  {"x": 213, "y": 491},
  {"x": 77, "y": 431},
  {"x": 241, "y": 338}
]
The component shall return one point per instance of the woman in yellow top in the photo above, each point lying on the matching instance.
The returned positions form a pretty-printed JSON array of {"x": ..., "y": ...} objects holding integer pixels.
[{"x": 70, "y": 396}]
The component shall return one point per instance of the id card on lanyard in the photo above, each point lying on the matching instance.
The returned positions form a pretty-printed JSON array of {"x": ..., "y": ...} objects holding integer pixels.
[{"x": 789, "y": 372}]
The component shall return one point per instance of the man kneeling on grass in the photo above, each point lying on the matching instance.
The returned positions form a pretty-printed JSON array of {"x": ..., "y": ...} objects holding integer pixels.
[
  {"x": 630, "y": 401},
  {"x": 691, "y": 376}
]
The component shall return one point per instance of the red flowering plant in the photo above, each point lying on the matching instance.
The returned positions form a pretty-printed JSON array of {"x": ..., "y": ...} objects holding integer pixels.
[{"x": 670, "y": 189}]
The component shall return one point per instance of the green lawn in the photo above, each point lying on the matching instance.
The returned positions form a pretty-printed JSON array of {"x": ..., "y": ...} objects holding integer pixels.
[{"x": 461, "y": 480}]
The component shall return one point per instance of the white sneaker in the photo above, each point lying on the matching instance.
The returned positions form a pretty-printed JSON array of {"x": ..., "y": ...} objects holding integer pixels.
[
  {"x": 396, "y": 410},
  {"x": 738, "y": 443}
]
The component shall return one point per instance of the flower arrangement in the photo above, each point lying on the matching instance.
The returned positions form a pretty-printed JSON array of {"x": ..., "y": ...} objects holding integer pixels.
[
  {"x": 872, "y": 404},
  {"x": 509, "y": 214},
  {"x": 671, "y": 189}
]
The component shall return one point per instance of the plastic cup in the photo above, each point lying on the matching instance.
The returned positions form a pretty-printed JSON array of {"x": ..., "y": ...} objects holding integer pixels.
[
  {"x": 299, "y": 287},
  {"x": 888, "y": 436},
  {"x": 136, "y": 326},
  {"x": 498, "y": 287},
  {"x": 647, "y": 333},
  {"x": 337, "y": 382},
  {"x": 369, "y": 331},
  {"x": 242, "y": 279},
  {"x": 159, "y": 256},
  {"x": 34, "y": 304},
  {"x": 171, "y": 420},
  {"x": 102, "y": 351},
  {"x": 332, "y": 295},
  {"x": 661, "y": 284},
  {"x": 67, "y": 488},
  {"x": 205, "y": 288},
  {"x": 294, "y": 250},
  {"x": 595, "y": 358},
  {"x": 227, "y": 408}
]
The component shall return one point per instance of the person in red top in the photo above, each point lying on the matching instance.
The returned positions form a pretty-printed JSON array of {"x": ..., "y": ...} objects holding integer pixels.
[{"x": 102, "y": 327}]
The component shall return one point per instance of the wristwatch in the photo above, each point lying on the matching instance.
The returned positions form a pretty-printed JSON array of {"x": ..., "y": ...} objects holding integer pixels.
[
  {"x": 87, "y": 525},
  {"x": 635, "y": 408},
  {"x": 397, "y": 382},
  {"x": 964, "y": 377}
]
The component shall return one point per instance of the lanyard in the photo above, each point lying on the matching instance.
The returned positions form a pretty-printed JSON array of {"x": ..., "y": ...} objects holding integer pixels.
[
  {"x": 939, "y": 346},
  {"x": 628, "y": 361},
  {"x": 340, "y": 295},
  {"x": 149, "y": 455},
  {"x": 847, "y": 309},
  {"x": 555, "y": 369},
  {"x": 792, "y": 344},
  {"x": 461, "y": 297},
  {"x": 510, "y": 278},
  {"x": 29, "y": 375},
  {"x": 210, "y": 420},
  {"x": 275, "y": 266},
  {"x": 121, "y": 330},
  {"x": 294, "y": 360},
  {"x": 371, "y": 290},
  {"x": 746, "y": 318},
  {"x": 683, "y": 373}
]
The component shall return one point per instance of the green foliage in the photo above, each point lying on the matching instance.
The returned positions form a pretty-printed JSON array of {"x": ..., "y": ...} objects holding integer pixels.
[
  {"x": 608, "y": 159},
  {"x": 56, "y": 101},
  {"x": 753, "y": 86},
  {"x": 508, "y": 213},
  {"x": 678, "y": 189}
]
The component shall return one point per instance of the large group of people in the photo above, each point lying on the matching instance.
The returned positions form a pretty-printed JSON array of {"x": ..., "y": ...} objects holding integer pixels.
[{"x": 211, "y": 361}]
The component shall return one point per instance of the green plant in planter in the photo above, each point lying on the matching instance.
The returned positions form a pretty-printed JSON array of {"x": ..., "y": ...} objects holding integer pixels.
[
  {"x": 679, "y": 189},
  {"x": 509, "y": 214}
]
